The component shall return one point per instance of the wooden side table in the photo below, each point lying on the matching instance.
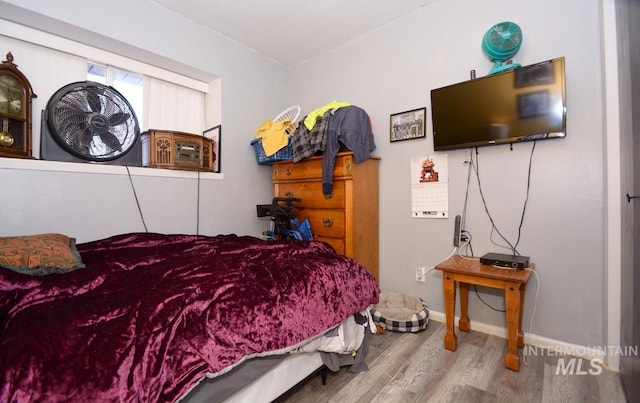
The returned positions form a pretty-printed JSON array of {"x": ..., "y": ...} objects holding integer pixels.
[{"x": 469, "y": 271}]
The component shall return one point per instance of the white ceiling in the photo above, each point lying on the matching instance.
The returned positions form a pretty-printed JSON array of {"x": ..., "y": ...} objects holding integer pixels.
[{"x": 292, "y": 31}]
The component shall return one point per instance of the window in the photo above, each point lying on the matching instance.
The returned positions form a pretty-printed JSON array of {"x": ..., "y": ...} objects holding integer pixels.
[
  {"x": 129, "y": 84},
  {"x": 158, "y": 104}
]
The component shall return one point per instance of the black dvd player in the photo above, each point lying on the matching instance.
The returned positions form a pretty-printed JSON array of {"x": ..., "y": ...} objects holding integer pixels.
[{"x": 503, "y": 260}]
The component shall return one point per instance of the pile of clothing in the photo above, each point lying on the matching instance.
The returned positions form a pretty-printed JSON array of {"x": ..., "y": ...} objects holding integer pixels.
[{"x": 327, "y": 130}]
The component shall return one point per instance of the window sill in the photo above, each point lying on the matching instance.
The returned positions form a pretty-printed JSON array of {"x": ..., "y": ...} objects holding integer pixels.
[{"x": 57, "y": 166}]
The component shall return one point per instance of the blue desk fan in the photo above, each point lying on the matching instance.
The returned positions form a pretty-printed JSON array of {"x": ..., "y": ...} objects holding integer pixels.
[{"x": 500, "y": 43}]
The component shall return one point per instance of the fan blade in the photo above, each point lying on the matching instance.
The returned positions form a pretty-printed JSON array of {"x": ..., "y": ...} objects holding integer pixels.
[
  {"x": 85, "y": 138},
  {"x": 66, "y": 112},
  {"x": 72, "y": 105},
  {"x": 94, "y": 100},
  {"x": 118, "y": 118},
  {"x": 70, "y": 127},
  {"x": 77, "y": 139},
  {"x": 111, "y": 141}
]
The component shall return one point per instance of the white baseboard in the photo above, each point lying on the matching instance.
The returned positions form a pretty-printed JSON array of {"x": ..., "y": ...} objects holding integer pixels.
[{"x": 557, "y": 346}]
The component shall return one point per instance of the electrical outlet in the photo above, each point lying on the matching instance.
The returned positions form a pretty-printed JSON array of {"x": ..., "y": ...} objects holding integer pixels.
[{"x": 420, "y": 273}]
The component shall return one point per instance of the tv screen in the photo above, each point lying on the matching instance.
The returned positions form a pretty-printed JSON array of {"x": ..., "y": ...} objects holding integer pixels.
[{"x": 523, "y": 104}]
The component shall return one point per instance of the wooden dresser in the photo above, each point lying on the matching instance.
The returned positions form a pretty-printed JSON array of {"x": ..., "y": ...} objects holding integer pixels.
[{"x": 348, "y": 218}]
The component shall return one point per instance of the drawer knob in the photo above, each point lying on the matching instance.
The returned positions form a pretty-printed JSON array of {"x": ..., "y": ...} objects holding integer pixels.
[
  {"x": 327, "y": 222},
  {"x": 288, "y": 171},
  {"x": 288, "y": 195},
  {"x": 328, "y": 195}
]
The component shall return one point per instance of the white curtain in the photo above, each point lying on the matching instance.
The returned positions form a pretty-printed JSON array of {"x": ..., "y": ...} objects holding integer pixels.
[
  {"x": 170, "y": 106},
  {"x": 167, "y": 106}
]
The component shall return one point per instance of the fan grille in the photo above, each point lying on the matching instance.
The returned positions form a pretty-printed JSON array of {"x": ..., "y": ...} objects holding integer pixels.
[
  {"x": 93, "y": 122},
  {"x": 502, "y": 41}
]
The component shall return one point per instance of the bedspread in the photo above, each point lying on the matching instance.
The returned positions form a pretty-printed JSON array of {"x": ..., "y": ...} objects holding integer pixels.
[{"x": 152, "y": 314}]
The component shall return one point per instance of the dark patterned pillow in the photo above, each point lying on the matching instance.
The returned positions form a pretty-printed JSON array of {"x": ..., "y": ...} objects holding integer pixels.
[{"x": 40, "y": 255}]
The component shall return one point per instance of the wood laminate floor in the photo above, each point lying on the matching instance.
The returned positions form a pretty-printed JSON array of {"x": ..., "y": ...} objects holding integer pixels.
[{"x": 415, "y": 367}]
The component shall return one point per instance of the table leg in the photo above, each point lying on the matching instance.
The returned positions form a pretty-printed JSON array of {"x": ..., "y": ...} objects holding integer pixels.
[
  {"x": 449, "y": 288},
  {"x": 512, "y": 299},
  {"x": 520, "y": 314},
  {"x": 463, "y": 323}
]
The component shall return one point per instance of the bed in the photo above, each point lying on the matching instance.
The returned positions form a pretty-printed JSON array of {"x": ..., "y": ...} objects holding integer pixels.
[{"x": 153, "y": 317}]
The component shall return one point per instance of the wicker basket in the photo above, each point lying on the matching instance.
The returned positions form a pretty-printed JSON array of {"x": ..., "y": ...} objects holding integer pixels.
[{"x": 292, "y": 113}]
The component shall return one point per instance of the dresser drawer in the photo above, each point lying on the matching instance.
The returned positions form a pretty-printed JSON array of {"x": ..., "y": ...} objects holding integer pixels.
[
  {"x": 348, "y": 219},
  {"x": 311, "y": 169},
  {"x": 311, "y": 194},
  {"x": 336, "y": 243},
  {"x": 325, "y": 222}
]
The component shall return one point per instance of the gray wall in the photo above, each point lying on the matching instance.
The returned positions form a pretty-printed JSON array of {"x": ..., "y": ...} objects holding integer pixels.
[
  {"x": 387, "y": 71},
  {"x": 90, "y": 206},
  {"x": 393, "y": 69}
]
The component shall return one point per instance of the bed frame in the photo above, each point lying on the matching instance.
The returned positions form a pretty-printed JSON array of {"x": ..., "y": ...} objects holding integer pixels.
[{"x": 268, "y": 379}]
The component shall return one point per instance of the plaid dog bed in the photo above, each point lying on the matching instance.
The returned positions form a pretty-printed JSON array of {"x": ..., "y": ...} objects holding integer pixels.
[{"x": 417, "y": 322}]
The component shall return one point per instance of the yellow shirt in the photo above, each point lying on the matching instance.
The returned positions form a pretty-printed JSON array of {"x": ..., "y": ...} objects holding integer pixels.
[
  {"x": 311, "y": 118},
  {"x": 274, "y": 136}
]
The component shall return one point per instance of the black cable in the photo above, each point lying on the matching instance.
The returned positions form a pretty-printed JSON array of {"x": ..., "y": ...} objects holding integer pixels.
[
  {"x": 486, "y": 303},
  {"x": 137, "y": 201},
  {"x": 526, "y": 200},
  {"x": 198, "y": 206},
  {"x": 514, "y": 248},
  {"x": 493, "y": 226},
  {"x": 476, "y": 168},
  {"x": 466, "y": 194}
]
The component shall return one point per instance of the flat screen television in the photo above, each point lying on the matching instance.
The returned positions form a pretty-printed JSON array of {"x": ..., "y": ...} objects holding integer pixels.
[{"x": 523, "y": 104}]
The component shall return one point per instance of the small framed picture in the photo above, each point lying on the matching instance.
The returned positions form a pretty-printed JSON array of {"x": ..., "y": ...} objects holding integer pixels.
[
  {"x": 408, "y": 125},
  {"x": 215, "y": 134}
]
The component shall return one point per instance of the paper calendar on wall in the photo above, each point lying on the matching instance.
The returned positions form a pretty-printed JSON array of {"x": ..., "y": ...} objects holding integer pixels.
[{"x": 429, "y": 187}]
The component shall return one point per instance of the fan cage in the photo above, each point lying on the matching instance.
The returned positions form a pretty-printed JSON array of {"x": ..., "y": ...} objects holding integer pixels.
[
  {"x": 292, "y": 114},
  {"x": 502, "y": 41},
  {"x": 93, "y": 122}
]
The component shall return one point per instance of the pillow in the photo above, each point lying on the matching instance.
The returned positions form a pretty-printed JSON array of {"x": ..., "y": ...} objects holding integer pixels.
[{"x": 40, "y": 255}]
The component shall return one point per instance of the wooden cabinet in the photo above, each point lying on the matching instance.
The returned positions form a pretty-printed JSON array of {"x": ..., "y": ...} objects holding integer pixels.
[{"x": 348, "y": 218}]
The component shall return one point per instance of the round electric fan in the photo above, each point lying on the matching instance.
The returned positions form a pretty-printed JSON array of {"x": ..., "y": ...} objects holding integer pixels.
[
  {"x": 92, "y": 122},
  {"x": 500, "y": 43}
]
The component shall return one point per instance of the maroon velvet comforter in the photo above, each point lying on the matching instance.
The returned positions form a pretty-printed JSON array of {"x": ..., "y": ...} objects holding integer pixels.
[{"x": 151, "y": 314}]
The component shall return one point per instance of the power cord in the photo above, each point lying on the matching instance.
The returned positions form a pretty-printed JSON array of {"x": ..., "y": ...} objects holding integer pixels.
[
  {"x": 526, "y": 200},
  {"x": 433, "y": 267},
  {"x": 475, "y": 288},
  {"x": 535, "y": 303},
  {"x": 475, "y": 165},
  {"x": 135, "y": 195},
  {"x": 485, "y": 302},
  {"x": 198, "y": 206}
]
